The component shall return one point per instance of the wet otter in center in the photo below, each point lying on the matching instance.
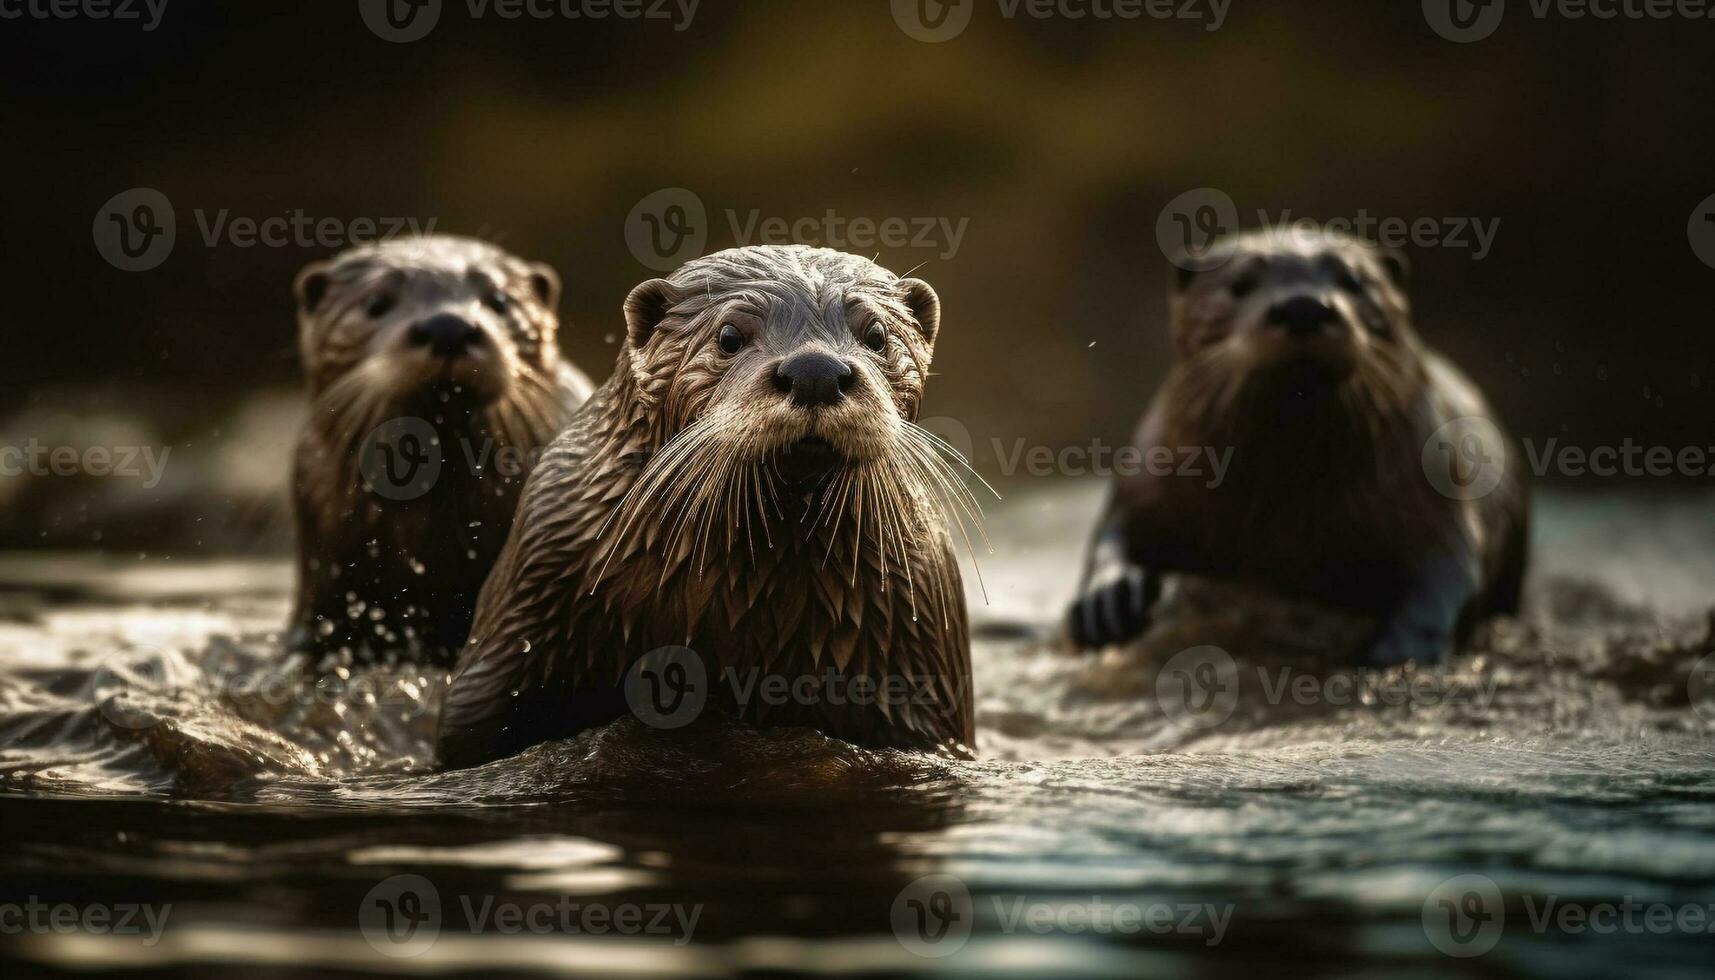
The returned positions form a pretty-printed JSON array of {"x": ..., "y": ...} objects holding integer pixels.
[
  {"x": 1296, "y": 351},
  {"x": 749, "y": 484}
]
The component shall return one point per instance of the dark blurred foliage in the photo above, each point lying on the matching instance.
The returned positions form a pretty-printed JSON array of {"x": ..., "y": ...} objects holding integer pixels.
[{"x": 1059, "y": 140}]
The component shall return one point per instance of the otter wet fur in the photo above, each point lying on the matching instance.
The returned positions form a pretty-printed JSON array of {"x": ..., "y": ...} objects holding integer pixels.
[
  {"x": 1296, "y": 352},
  {"x": 437, "y": 349},
  {"x": 750, "y": 484}
]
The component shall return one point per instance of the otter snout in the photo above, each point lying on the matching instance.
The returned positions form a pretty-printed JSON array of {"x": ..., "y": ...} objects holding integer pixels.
[
  {"x": 446, "y": 335},
  {"x": 1304, "y": 316},
  {"x": 814, "y": 379}
]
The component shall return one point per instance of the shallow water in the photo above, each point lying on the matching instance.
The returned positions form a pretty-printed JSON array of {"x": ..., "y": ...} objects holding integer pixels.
[{"x": 152, "y": 755}]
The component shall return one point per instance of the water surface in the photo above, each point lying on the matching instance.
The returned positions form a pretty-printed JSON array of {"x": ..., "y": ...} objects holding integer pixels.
[{"x": 152, "y": 755}]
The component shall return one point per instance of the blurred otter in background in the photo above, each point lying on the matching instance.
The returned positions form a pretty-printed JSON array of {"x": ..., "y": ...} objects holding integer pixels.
[
  {"x": 435, "y": 378},
  {"x": 1368, "y": 475}
]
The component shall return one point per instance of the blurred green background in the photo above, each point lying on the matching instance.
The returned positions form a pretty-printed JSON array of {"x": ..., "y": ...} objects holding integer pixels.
[{"x": 1059, "y": 141}]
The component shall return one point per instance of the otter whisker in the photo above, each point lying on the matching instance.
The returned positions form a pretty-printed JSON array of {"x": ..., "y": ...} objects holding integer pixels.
[
  {"x": 947, "y": 451},
  {"x": 925, "y": 465},
  {"x": 657, "y": 473}
]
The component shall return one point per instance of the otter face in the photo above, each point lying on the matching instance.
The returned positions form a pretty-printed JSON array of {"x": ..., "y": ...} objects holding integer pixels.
[
  {"x": 1306, "y": 307},
  {"x": 448, "y": 319},
  {"x": 805, "y": 359}
]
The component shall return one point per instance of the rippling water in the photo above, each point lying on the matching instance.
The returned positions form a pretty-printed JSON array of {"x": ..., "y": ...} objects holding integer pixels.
[{"x": 1528, "y": 809}]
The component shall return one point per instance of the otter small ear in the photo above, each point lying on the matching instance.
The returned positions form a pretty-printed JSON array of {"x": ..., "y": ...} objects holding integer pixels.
[
  {"x": 1398, "y": 266},
  {"x": 545, "y": 283},
  {"x": 646, "y": 307},
  {"x": 311, "y": 286},
  {"x": 924, "y": 305}
]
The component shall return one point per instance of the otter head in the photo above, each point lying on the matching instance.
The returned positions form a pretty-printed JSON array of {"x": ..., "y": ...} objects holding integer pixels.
[
  {"x": 802, "y": 361},
  {"x": 1298, "y": 312},
  {"x": 436, "y": 324}
]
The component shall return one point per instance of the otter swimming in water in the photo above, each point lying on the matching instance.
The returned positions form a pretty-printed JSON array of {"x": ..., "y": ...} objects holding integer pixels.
[
  {"x": 435, "y": 376},
  {"x": 749, "y": 486},
  {"x": 1368, "y": 475}
]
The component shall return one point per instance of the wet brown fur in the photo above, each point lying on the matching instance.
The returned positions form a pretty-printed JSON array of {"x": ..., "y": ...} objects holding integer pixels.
[
  {"x": 379, "y": 577},
  {"x": 1327, "y": 497},
  {"x": 662, "y": 517}
]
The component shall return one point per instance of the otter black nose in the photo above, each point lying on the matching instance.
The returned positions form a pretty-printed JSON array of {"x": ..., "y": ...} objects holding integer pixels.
[
  {"x": 445, "y": 335},
  {"x": 1302, "y": 315},
  {"x": 814, "y": 378}
]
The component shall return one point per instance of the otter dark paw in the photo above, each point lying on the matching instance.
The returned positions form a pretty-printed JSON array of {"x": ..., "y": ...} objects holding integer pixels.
[{"x": 1111, "y": 612}]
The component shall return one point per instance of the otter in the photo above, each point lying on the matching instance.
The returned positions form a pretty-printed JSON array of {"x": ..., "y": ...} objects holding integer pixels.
[
  {"x": 749, "y": 485},
  {"x": 434, "y": 375},
  {"x": 1297, "y": 352}
]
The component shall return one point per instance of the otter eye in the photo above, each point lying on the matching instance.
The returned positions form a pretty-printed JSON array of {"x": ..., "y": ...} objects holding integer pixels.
[
  {"x": 732, "y": 338},
  {"x": 382, "y": 305},
  {"x": 875, "y": 338},
  {"x": 1243, "y": 286},
  {"x": 497, "y": 301}
]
